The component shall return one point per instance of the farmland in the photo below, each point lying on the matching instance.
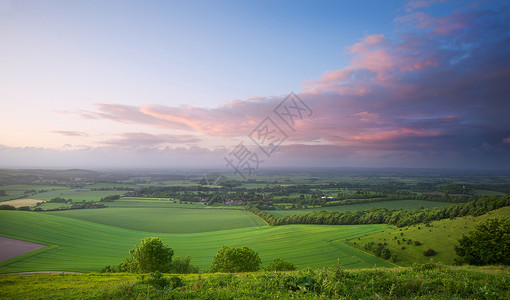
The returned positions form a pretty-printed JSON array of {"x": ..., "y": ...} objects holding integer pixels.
[
  {"x": 400, "y": 204},
  {"x": 76, "y": 245},
  {"x": 167, "y": 220},
  {"x": 22, "y": 202},
  {"x": 196, "y": 218}
]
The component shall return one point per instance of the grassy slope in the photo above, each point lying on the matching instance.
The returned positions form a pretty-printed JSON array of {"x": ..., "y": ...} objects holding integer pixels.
[
  {"x": 442, "y": 236},
  {"x": 404, "y": 204},
  {"x": 86, "y": 246},
  {"x": 169, "y": 220}
]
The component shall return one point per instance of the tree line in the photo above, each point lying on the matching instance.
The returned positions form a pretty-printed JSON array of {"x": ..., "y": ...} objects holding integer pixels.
[{"x": 396, "y": 217}]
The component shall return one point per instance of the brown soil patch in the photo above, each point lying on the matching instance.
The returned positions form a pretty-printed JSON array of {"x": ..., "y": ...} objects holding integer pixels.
[
  {"x": 10, "y": 248},
  {"x": 22, "y": 202}
]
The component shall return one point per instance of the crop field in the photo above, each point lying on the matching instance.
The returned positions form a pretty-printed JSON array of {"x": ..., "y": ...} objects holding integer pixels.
[
  {"x": 131, "y": 202},
  {"x": 442, "y": 236},
  {"x": 167, "y": 220},
  {"x": 21, "y": 202},
  {"x": 77, "y": 245},
  {"x": 397, "y": 204},
  {"x": 76, "y": 195},
  {"x": 99, "y": 185}
]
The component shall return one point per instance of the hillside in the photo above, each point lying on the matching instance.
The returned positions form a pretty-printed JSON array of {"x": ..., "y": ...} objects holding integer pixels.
[
  {"x": 440, "y": 235},
  {"x": 77, "y": 245}
]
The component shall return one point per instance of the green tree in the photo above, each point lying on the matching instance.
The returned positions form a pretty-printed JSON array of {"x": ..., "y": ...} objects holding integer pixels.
[
  {"x": 149, "y": 256},
  {"x": 182, "y": 265},
  {"x": 232, "y": 260},
  {"x": 280, "y": 265},
  {"x": 7, "y": 207},
  {"x": 488, "y": 244}
]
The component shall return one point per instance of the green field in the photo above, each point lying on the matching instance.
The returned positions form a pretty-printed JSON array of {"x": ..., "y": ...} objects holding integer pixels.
[
  {"x": 77, "y": 245},
  {"x": 131, "y": 202},
  {"x": 442, "y": 236},
  {"x": 167, "y": 220},
  {"x": 397, "y": 204},
  {"x": 20, "y": 190},
  {"x": 77, "y": 195}
]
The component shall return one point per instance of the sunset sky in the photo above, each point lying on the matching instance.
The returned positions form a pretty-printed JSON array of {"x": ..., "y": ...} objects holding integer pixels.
[{"x": 164, "y": 84}]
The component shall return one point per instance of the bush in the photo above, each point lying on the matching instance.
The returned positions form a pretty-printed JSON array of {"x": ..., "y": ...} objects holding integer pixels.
[
  {"x": 150, "y": 256},
  {"x": 58, "y": 200},
  {"x": 7, "y": 207},
  {"x": 429, "y": 252},
  {"x": 280, "y": 265},
  {"x": 488, "y": 244},
  {"x": 182, "y": 266},
  {"x": 110, "y": 198},
  {"x": 231, "y": 260},
  {"x": 24, "y": 208},
  {"x": 156, "y": 280}
]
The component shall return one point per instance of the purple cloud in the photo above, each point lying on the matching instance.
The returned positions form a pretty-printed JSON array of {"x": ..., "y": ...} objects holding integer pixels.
[
  {"x": 136, "y": 139},
  {"x": 438, "y": 91}
]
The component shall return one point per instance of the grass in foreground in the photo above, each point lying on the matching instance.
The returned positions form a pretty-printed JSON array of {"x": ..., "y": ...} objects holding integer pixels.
[{"x": 429, "y": 281}]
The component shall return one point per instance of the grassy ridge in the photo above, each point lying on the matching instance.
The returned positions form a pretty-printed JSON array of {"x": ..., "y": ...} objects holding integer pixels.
[
  {"x": 168, "y": 220},
  {"x": 428, "y": 281},
  {"x": 441, "y": 236},
  {"x": 87, "y": 247},
  {"x": 398, "y": 204}
]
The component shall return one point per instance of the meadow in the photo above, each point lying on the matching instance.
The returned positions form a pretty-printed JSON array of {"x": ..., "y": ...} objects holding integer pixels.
[
  {"x": 441, "y": 236},
  {"x": 77, "y": 245},
  {"x": 398, "y": 204}
]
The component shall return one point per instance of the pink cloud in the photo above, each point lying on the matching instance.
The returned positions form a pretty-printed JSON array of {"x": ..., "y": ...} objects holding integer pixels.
[
  {"x": 417, "y": 4},
  {"x": 69, "y": 133},
  {"x": 136, "y": 139},
  {"x": 411, "y": 93}
]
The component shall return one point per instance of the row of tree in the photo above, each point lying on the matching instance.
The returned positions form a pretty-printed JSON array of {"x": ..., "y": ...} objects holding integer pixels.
[
  {"x": 151, "y": 255},
  {"x": 398, "y": 217}
]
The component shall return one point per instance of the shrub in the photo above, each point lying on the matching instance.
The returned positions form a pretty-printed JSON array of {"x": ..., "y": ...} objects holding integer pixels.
[
  {"x": 280, "y": 265},
  {"x": 231, "y": 260},
  {"x": 7, "y": 207},
  {"x": 429, "y": 252},
  {"x": 150, "y": 256},
  {"x": 182, "y": 265},
  {"x": 488, "y": 244},
  {"x": 156, "y": 280}
]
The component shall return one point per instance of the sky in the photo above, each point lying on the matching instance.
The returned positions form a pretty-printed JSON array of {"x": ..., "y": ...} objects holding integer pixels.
[{"x": 247, "y": 85}]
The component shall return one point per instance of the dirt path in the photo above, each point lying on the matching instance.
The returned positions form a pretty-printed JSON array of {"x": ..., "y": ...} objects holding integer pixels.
[{"x": 10, "y": 248}]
